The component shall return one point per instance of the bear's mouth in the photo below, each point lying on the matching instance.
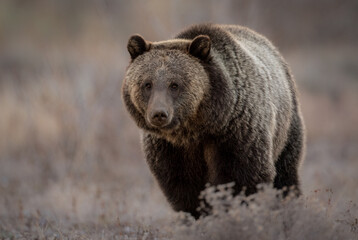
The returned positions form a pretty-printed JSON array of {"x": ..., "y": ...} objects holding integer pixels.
[{"x": 171, "y": 126}]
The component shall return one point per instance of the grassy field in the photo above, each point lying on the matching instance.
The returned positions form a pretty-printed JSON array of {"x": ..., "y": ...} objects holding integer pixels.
[{"x": 71, "y": 165}]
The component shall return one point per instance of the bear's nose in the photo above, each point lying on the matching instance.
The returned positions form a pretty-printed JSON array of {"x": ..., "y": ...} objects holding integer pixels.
[{"x": 159, "y": 118}]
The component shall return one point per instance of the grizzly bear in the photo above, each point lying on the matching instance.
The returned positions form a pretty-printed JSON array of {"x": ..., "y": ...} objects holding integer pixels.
[{"x": 216, "y": 104}]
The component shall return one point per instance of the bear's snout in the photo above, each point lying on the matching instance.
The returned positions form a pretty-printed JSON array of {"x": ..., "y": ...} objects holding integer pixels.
[
  {"x": 159, "y": 111},
  {"x": 159, "y": 117}
]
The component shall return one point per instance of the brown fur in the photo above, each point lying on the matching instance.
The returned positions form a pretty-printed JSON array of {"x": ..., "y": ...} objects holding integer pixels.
[{"x": 228, "y": 107}]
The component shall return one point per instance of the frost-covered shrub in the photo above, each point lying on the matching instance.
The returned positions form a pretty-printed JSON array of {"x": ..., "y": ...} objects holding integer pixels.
[{"x": 264, "y": 215}]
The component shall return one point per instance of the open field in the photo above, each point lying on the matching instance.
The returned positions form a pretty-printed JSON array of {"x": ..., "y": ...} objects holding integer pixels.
[{"x": 71, "y": 165}]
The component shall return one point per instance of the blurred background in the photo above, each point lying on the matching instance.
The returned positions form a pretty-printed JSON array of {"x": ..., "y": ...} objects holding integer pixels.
[{"x": 69, "y": 152}]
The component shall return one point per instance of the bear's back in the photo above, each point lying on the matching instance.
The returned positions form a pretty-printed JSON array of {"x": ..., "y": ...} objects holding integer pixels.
[
  {"x": 241, "y": 52},
  {"x": 275, "y": 78}
]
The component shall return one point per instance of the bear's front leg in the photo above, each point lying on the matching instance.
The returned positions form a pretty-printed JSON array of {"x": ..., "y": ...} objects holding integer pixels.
[
  {"x": 180, "y": 172},
  {"x": 247, "y": 164}
]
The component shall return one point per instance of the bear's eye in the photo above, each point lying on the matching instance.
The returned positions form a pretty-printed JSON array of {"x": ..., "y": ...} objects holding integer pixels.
[
  {"x": 174, "y": 86},
  {"x": 148, "y": 85}
]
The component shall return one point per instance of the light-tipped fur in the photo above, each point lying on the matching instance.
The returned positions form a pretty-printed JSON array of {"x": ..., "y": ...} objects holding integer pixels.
[{"x": 235, "y": 113}]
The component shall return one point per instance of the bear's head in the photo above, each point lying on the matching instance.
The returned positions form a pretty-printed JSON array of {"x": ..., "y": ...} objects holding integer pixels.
[{"x": 166, "y": 82}]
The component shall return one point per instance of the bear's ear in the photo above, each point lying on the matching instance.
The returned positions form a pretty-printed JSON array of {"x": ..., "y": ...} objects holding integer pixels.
[
  {"x": 200, "y": 47},
  {"x": 137, "y": 46}
]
